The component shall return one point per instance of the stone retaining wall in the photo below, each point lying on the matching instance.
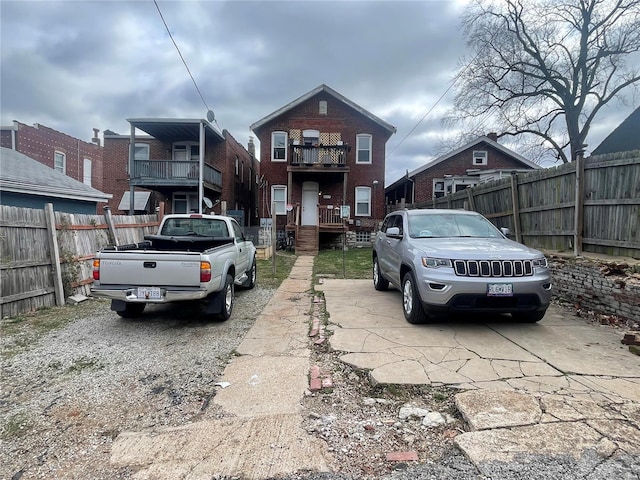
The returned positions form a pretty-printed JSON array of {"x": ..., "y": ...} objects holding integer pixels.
[{"x": 610, "y": 288}]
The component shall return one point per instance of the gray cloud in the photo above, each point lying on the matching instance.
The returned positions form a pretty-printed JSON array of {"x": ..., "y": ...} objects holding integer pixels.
[{"x": 75, "y": 65}]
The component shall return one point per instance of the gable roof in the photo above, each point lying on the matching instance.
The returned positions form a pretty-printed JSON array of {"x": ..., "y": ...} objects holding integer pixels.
[
  {"x": 624, "y": 137},
  {"x": 333, "y": 93},
  {"x": 517, "y": 157},
  {"x": 22, "y": 174}
]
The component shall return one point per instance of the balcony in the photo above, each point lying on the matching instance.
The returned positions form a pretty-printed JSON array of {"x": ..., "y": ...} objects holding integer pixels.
[
  {"x": 311, "y": 156},
  {"x": 184, "y": 173}
]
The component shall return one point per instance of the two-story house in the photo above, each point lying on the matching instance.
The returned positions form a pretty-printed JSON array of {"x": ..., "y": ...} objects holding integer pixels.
[
  {"x": 322, "y": 163},
  {"x": 75, "y": 158},
  {"x": 187, "y": 165},
  {"x": 480, "y": 160}
]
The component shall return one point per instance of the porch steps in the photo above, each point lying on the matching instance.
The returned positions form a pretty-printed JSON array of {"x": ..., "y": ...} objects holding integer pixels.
[{"x": 307, "y": 241}]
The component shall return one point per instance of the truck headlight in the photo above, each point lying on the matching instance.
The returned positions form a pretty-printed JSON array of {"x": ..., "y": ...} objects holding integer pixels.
[
  {"x": 540, "y": 262},
  {"x": 431, "y": 262}
]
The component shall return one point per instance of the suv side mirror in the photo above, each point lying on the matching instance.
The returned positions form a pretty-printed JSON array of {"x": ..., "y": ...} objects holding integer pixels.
[{"x": 393, "y": 232}]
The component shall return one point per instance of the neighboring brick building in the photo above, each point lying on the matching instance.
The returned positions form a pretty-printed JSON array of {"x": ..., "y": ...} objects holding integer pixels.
[
  {"x": 317, "y": 154},
  {"x": 480, "y": 160},
  {"x": 166, "y": 169},
  {"x": 71, "y": 156}
]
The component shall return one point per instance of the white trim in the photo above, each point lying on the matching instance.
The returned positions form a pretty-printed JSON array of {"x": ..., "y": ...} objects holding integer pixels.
[
  {"x": 362, "y": 136},
  {"x": 282, "y": 203},
  {"x": 362, "y": 189},
  {"x": 286, "y": 137},
  {"x": 64, "y": 161}
]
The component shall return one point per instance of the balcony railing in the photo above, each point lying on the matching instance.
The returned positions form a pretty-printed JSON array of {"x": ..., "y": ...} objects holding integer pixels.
[
  {"x": 173, "y": 170},
  {"x": 328, "y": 155},
  {"x": 327, "y": 217}
]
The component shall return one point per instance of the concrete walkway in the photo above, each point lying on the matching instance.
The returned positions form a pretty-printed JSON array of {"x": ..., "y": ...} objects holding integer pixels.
[
  {"x": 558, "y": 387},
  {"x": 262, "y": 435}
]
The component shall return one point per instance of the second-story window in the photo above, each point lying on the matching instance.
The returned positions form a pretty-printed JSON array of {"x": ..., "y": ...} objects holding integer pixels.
[
  {"x": 363, "y": 148},
  {"x": 279, "y": 147},
  {"x": 60, "y": 162},
  {"x": 237, "y": 165},
  {"x": 479, "y": 157},
  {"x": 141, "y": 151},
  {"x": 86, "y": 171}
]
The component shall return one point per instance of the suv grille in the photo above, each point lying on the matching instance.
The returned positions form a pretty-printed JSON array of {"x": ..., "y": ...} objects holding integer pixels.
[{"x": 493, "y": 268}]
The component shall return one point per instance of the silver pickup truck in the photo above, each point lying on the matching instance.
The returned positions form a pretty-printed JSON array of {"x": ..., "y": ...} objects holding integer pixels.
[
  {"x": 193, "y": 257},
  {"x": 457, "y": 261}
]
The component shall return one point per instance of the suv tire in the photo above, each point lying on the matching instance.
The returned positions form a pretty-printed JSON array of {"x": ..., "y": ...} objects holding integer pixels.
[
  {"x": 379, "y": 282},
  {"x": 411, "y": 303}
]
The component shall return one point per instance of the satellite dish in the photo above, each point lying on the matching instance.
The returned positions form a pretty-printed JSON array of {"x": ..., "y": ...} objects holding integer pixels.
[
  {"x": 207, "y": 202},
  {"x": 211, "y": 116}
]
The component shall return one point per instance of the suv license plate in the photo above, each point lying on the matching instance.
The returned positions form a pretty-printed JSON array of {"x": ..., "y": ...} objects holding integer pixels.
[
  {"x": 149, "y": 292},
  {"x": 500, "y": 290}
]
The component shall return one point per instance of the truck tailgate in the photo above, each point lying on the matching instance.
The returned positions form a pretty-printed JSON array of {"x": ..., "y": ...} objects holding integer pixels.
[{"x": 150, "y": 268}]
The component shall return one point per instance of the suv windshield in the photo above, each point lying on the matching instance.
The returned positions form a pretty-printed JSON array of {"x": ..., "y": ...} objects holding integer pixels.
[{"x": 450, "y": 225}]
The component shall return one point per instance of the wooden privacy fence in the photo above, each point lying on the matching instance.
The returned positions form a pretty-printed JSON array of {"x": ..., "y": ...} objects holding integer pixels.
[
  {"x": 47, "y": 256},
  {"x": 591, "y": 205}
]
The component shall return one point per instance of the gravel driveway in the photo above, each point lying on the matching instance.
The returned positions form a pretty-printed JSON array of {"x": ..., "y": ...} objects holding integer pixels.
[{"x": 66, "y": 395}]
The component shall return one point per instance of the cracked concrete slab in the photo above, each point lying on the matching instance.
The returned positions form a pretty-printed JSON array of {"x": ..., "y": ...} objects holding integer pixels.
[{"x": 483, "y": 410}]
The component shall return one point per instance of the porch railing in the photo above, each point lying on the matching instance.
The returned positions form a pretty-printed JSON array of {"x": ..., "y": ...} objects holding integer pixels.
[
  {"x": 174, "y": 169},
  {"x": 327, "y": 155},
  {"x": 326, "y": 216}
]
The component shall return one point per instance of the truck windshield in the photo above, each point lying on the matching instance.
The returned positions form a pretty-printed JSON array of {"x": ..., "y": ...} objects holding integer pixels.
[
  {"x": 451, "y": 225},
  {"x": 204, "y": 227}
]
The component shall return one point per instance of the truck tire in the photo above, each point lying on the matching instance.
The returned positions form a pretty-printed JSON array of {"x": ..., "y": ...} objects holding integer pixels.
[
  {"x": 411, "y": 303},
  {"x": 379, "y": 282},
  {"x": 250, "y": 282},
  {"x": 132, "y": 310},
  {"x": 227, "y": 299}
]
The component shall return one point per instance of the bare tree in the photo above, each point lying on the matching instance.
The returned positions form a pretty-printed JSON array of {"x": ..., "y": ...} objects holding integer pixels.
[{"x": 545, "y": 68}]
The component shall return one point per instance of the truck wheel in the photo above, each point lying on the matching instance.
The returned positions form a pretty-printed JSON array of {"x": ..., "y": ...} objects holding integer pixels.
[
  {"x": 379, "y": 282},
  {"x": 227, "y": 299},
  {"x": 529, "y": 317},
  {"x": 250, "y": 282},
  {"x": 411, "y": 304},
  {"x": 132, "y": 310}
]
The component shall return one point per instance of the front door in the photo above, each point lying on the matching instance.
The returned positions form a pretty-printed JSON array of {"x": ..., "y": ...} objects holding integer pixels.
[{"x": 310, "y": 203}]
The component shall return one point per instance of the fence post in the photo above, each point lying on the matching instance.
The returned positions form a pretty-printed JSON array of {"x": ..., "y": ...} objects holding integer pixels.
[
  {"x": 515, "y": 200},
  {"x": 472, "y": 203},
  {"x": 579, "y": 203},
  {"x": 50, "y": 219},
  {"x": 112, "y": 230},
  {"x": 273, "y": 236}
]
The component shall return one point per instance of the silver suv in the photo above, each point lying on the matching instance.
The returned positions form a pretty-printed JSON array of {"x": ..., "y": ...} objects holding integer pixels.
[{"x": 458, "y": 261}]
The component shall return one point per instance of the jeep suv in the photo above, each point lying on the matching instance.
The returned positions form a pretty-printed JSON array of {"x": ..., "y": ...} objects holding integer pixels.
[{"x": 458, "y": 261}]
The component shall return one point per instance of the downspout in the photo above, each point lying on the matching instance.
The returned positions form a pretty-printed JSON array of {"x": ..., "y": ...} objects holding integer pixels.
[
  {"x": 132, "y": 154},
  {"x": 201, "y": 169}
]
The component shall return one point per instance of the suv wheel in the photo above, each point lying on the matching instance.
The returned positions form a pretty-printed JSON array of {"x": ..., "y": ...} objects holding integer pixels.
[
  {"x": 411, "y": 304},
  {"x": 379, "y": 282}
]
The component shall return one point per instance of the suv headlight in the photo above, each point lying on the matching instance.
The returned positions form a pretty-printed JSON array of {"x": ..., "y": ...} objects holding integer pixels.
[
  {"x": 540, "y": 262},
  {"x": 436, "y": 262}
]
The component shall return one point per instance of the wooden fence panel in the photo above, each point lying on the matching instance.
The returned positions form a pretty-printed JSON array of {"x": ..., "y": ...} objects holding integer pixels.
[
  {"x": 547, "y": 200},
  {"x": 26, "y": 269}
]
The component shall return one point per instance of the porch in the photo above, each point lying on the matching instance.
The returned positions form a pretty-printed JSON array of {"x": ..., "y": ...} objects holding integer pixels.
[
  {"x": 174, "y": 173},
  {"x": 307, "y": 237}
]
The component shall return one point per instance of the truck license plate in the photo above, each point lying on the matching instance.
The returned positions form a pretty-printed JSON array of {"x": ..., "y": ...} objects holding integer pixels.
[
  {"x": 149, "y": 293},
  {"x": 500, "y": 290}
]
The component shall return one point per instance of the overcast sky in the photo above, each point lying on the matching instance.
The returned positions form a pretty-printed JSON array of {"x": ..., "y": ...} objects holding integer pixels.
[{"x": 76, "y": 65}]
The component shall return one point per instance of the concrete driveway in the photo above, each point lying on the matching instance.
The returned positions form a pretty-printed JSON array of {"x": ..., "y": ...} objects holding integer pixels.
[{"x": 561, "y": 386}]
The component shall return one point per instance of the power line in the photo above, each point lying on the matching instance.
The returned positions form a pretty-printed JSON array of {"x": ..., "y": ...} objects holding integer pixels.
[{"x": 180, "y": 53}]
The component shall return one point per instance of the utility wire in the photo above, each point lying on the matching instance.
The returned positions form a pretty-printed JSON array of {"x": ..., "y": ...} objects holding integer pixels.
[{"x": 179, "y": 53}]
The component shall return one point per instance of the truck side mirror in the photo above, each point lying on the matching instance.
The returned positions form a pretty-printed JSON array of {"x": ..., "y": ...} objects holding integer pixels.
[{"x": 505, "y": 231}]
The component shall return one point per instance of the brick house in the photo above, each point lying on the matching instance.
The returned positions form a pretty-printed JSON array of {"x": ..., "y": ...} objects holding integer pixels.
[
  {"x": 165, "y": 168},
  {"x": 68, "y": 155},
  {"x": 478, "y": 161},
  {"x": 322, "y": 157}
]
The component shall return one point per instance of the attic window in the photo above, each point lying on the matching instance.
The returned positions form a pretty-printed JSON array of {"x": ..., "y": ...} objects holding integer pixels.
[
  {"x": 480, "y": 157},
  {"x": 323, "y": 107}
]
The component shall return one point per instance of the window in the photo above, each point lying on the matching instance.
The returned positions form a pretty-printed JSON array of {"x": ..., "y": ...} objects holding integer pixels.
[
  {"x": 237, "y": 165},
  {"x": 438, "y": 188},
  {"x": 322, "y": 110},
  {"x": 363, "y": 201},
  {"x": 250, "y": 178},
  {"x": 279, "y": 198},
  {"x": 278, "y": 147},
  {"x": 141, "y": 151},
  {"x": 60, "y": 162},
  {"x": 479, "y": 157},
  {"x": 86, "y": 171},
  {"x": 363, "y": 147}
]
